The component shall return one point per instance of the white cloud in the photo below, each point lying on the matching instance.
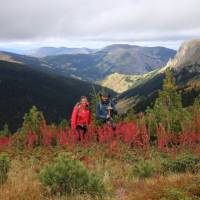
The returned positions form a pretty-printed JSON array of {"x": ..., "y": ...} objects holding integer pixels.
[{"x": 95, "y": 20}]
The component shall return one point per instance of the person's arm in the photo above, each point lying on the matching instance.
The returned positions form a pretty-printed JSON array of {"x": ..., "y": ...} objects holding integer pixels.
[
  {"x": 98, "y": 113},
  {"x": 74, "y": 117},
  {"x": 114, "y": 109}
]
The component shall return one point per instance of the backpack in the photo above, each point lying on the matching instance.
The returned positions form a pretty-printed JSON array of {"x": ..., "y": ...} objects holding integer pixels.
[{"x": 79, "y": 107}]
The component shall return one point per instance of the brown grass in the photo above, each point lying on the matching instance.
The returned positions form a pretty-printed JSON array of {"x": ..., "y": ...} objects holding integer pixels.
[{"x": 23, "y": 181}]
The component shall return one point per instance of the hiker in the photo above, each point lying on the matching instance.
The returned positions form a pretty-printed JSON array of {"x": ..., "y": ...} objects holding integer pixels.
[
  {"x": 81, "y": 117},
  {"x": 105, "y": 110}
]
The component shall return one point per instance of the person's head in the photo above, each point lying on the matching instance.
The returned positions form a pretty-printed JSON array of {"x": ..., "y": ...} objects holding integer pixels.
[
  {"x": 104, "y": 97},
  {"x": 84, "y": 100}
]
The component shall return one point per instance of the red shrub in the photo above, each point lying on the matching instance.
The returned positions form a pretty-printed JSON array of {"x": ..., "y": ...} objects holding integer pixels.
[
  {"x": 31, "y": 140},
  {"x": 62, "y": 138},
  {"x": 129, "y": 133},
  {"x": 189, "y": 139},
  {"x": 46, "y": 136},
  {"x": 163, "y": 139},
  {"x": 4, "y": 142}
]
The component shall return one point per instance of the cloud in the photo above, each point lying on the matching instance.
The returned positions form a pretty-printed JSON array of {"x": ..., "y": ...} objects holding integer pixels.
[{"x": 95, "y": 20}]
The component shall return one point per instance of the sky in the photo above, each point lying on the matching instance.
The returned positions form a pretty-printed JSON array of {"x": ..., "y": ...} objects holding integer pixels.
[{"x": 26, "y": 24}]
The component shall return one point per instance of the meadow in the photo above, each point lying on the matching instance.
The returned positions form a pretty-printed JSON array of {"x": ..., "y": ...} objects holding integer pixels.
[{"x": 150, "y": 156}]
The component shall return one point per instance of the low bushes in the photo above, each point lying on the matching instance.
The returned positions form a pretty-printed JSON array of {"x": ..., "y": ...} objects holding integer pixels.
[
  {"x": 175, "y": 194},
  {"x": 4, "y": 167},
  {"x": 183, "y": 163},
  {"x": 164, "y": 164},
  {"x": 144, "y": 169},
  {"x": 68, "y": 176}
]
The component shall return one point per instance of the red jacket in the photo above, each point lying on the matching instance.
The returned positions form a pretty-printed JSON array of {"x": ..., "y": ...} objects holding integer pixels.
[{"x": 80, "y": 116}]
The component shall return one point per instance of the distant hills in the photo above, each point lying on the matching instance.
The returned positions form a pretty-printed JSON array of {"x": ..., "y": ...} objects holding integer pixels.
[
  {"x": 186, "y": 68},
  {"x": 131, "y": 59},
  {"x": 125, "y": 59},
  {"x": 52, "y": 51},
  {"x": 22, "y": 86},
  {"x": 96, "y": 65}
]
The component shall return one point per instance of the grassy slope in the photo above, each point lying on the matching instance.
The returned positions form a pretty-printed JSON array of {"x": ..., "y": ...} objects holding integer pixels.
[
  {"x": 115, "y": 166},
  {"x": 122, "y": 82}
]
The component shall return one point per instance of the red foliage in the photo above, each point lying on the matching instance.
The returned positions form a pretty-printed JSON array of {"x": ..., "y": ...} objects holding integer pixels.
[
  {"x": 4, "y": 142},
  {"x": 163, "y": 139},
  {"x": 46, "y": 136},
  {"x": 129, "y": 133},
  {"x": 62, "y": 138},
  {"x": 189, "y": 139},
  {"x": 85, "y": 160},
  {"x": 31, "y": 140}
]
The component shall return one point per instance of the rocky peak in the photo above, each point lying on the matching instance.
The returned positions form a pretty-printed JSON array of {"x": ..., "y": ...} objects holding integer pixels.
[{"x": 187, "y": 55}]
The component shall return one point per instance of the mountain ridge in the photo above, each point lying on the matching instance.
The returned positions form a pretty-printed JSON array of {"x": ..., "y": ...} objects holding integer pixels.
[
  {"x": 114, "y": 58},
  {"x": 186, "y": 72},
  {"x": 51, "y": 51},
  {"x": 97, "y": 65}
]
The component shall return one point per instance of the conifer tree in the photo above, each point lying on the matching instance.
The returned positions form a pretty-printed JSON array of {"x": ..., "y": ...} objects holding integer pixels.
[
  {"x": 5, "y": 131},
  {"x": 33, "y": 122},
  {"x": 94, "y": 100},
  {"x": 195, "y": 110},
  {"x": 167, "y": 110}
]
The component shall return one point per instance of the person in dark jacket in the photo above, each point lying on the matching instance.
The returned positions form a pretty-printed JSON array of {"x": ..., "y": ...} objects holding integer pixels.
[{"x": 105, "y": 110}]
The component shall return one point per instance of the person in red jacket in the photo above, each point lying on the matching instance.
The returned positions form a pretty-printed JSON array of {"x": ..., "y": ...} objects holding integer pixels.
[{"x": 81, "y": 117}]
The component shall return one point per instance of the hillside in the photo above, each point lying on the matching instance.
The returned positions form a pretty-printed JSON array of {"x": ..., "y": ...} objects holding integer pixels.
[
  {"x": 123, "y": 82},
  {"x": 27, "y": 60},
  {"x": 22, "y": 86},
  {"x": 131, "y": 59},
  {"x": 94, "y": 65},
  {"x": 186, "y": 68},
  {"x": 125, "y": 59}
]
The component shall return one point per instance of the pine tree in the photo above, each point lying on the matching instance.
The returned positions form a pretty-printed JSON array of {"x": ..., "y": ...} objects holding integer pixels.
[
  {"x": 195, "y": 110},
  {"x": 5, "y": 131},
  {"x": 64, "y": 124},
  {"x": 167, "y": 110},
  {"x": 94, "y": 100},
  {"x": 33, "y": 122}
]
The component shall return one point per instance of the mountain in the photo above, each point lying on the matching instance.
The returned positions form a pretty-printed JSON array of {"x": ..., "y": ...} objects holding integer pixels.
[
  {"x": 131, "y": 59},
  {"x": 33, "y": 62},
  {"x": 81, "y": 66},
  {"x": 186, "y": 68},
  {"x": 52, "y": 51},
  {"x": 23, "y": 59},
  {"x": 188, "y": 54},
  {"x": 22, "y": 86},
  {"x": 120, "y": 58},
  {"x": 95, "y": 65}
]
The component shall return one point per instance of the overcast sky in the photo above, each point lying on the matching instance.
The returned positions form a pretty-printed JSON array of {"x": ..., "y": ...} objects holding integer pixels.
[{"x": 96, "y": 23}]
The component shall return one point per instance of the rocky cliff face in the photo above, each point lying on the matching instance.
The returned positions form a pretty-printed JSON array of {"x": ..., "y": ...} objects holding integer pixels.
[{"x": 188, "y": 54}]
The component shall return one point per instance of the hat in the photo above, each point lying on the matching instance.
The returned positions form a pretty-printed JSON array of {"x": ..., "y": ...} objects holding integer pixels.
[{"x": 104, "y": 94}]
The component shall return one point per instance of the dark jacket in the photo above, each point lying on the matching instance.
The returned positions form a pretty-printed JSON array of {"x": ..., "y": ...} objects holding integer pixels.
[{"x": 102, "y": 110}]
